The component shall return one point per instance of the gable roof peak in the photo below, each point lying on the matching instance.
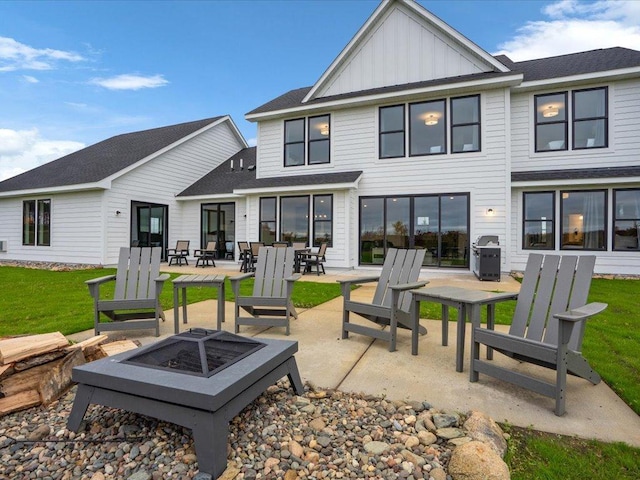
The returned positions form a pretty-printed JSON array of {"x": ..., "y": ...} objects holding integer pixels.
[{"x": 377, "y": 19}]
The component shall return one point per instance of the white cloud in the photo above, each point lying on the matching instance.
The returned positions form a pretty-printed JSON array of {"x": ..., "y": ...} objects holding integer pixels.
[
  {"x": 575, "y": 26},
  {"x": 30, "y": 79},
  {"x": 252, "y": 142},
  {"x": 130, "y": 82},
  {"x": 18, "y": 56},
  {"x": 22, "y": 150}
]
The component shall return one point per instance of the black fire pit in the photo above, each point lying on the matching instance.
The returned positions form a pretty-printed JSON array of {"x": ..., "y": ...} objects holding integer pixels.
[{"x": 199, "y": 379}]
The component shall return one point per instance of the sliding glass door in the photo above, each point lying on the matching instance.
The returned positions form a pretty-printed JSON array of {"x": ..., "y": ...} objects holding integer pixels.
[
  {"x": 437, "y": 223},
  {"x": 218, "y": 225}
]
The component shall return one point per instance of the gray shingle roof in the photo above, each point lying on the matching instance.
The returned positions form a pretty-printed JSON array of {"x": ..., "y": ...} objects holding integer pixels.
[
  {"x": 540, "y": 69},
  {"x": 222, "y": 180},
  {"x": 103, "y": 159},
  {"x": 576, "y": 174},
  {"x": 575, "y": 63}
]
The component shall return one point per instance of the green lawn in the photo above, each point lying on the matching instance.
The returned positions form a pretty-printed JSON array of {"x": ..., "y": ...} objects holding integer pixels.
[{"x": 38, "y": 301}]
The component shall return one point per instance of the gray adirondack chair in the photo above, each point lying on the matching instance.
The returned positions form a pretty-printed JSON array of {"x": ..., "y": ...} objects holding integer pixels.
[
  {"x": 136, "y": 301},
  {"x": 391, "y": 302},
  {"x": 547, "y": 327},
  {"x": 270, "y": 304}
]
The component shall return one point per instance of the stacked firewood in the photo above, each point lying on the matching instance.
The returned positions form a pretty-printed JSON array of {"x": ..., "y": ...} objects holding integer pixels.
[{"x": 36, "y": 369}]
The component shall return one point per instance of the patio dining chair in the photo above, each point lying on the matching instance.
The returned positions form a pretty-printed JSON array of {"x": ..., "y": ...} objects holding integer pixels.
[
  {"x": 547, "y": 328},
  {"x": 206, "y": 255},
  {"x": 309, "y": 260},
  {"x": 391, "y": 304},
  {"x": 180, "y": 253}
]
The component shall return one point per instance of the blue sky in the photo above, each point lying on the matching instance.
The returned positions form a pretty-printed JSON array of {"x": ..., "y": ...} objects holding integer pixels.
[{"x": 75, "y": 73}]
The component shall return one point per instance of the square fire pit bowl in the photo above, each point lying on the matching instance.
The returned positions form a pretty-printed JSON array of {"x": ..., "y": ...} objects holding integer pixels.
[{"x": 161, "y": 381}]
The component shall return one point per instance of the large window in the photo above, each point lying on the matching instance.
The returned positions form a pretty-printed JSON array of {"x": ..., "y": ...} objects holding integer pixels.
[
  {"x": 294, "y": 219},
  {"x": 590, "y": 118},
  {"x": 437, "y": 223},
  {"x": 551, "y": 122},
  {"x": 583, "y": 220},
  {"x": 539, "y": 222},
  {"x": 310, "y": 145},
  {"x": 465, "y": 124},
  {"x": 319, "y": 141},
  {"x": 427, "y": 127},
  {"x": 392, "y": 131},
  {"x": 322, "y": 220},
  {"x": 36, "y": 222},
  {"x": 268, "y": 220},
  {"x": 294, "y": 142},
  {"x": 626, "y": 219}
]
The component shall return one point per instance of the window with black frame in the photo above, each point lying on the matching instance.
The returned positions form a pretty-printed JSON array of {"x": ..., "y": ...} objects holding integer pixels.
[
  {"x": 465, "y": 124},
  {"x": 551, "y": 122},
  {"x": 539, "y": 233},
  {"x": 427, "y": 128},
  {"x": 36, "y": 222},
  {"x": 590, "y": 122},
  {"x": 392, "y": 131},
  {"x": 626, "y": 219},
  {"x": 583, "y": 220},
  {"x": 294, "y": 219},
  {"x": 268, "y": 220},
  {"x": 294, "y": 142},
  {"x": 322, "y": 220},
  {"x": 319, "y": 139}
]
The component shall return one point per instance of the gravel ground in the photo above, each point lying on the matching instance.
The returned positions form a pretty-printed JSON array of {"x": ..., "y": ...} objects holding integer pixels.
[{"x": 324, "y": 434}]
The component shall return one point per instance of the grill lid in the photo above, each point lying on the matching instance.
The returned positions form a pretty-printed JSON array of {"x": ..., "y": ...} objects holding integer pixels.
[{"x": 199, "y": 352}]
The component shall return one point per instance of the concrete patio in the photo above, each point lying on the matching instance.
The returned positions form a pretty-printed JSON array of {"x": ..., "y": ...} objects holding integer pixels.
[{"x": 361, "y": 364}]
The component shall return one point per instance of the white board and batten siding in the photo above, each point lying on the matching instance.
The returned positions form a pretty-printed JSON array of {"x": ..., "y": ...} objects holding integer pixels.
[
  {"x": 427, "y": 54},
  {"x": 161, "y": 179},
  {"x": 77, "y": 230}
]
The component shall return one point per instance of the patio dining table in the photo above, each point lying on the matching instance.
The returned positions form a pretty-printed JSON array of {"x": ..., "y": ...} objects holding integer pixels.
[{"x": 468, "y": 303}]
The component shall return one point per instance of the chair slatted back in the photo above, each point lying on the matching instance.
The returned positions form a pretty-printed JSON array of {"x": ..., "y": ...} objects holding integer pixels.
[
  {"x": 400, "y": 266},
  {"x": 273, "y": 266},
  {"x": 137, "y": 269},
  {"x": 551, "y": 284}
]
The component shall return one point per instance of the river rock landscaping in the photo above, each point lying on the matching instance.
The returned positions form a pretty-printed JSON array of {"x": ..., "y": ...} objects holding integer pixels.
[{"x": 323, "y": 434}]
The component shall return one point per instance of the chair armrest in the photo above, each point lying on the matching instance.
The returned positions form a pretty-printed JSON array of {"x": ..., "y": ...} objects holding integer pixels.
[
  {"x": 100, "y": 280},
  {"x": 235, "y": 282},
  {"x": 581, "y": 313},
  {"x": 408, "y": 286},
  {"x": 294, "y": 277},
  {"x": 162, "y": 278},
  {"x": 359, "y": 280}
]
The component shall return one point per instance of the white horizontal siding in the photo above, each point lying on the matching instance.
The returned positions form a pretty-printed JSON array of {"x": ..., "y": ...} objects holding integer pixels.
[
  {"x": 402, "y": 48},
  {"x": 76, "y": 229},
  {"x": 624, "y": 141},
  {"x": 161, "y": 179}
]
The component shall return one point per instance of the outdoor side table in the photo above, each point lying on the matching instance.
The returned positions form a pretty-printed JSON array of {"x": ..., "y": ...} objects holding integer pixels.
[
  {"x": 468, "y": 303},
  {"x": 184, "y": 281}
]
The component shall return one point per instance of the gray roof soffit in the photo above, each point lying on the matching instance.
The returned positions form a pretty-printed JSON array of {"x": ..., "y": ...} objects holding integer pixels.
[
  {"x": 224, "y": 181},
  {"x": 576, "y": 174},
  {"x": 99, "y": 161}
]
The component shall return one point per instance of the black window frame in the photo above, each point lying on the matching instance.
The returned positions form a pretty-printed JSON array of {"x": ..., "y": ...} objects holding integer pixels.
[
  {"x": 39, "y": 220},
  {"x": 382, "y": 133},
  {"x": 622, "y": 218},
  {"x": 604, "y": 117},
  {"x": 297, "y": 142},
  {"x": 442, "y": 119},
  {"x": 454, "y": 125},
  {"x": 322, "y": 220},
  {"x": 537, "y": 123},
  {"x": 262, "y": 221},
  {"x": 605, "y": 220},
  {"x": 325, "y": 138},
  {"x": 288, "y": 197},
  {"x": 525, "y": 220}
]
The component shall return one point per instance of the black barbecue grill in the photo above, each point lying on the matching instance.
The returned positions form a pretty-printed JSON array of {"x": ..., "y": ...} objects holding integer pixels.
[{"x": 486, "y": 257}]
